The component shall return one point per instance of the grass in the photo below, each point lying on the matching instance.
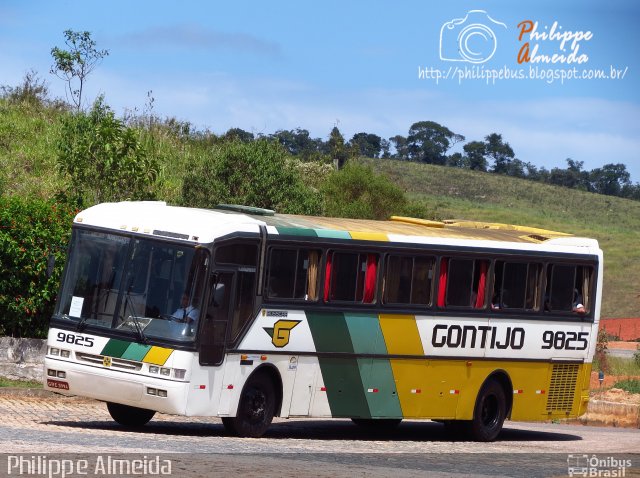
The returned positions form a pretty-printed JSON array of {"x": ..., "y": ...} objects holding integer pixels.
[
  {"x": 27, "y": 168},
  {"x": 5, "y": 382},
  {"x": 630, "y": 385},
  {"x": 614, "y": 222},
  {"x": 620, "y": 366}
]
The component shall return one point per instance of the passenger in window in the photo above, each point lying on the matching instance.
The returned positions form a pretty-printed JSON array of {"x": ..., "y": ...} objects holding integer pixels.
[
  {"x": 187, "y": 312},
  {"x": 578, "y": 305}
]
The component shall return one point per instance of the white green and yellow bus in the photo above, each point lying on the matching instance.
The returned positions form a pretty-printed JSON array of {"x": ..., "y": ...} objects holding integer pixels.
[{"x": 246, "y": 314}]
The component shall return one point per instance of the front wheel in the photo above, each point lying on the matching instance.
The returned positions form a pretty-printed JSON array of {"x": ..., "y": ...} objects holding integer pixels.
[
  {"x": 256, "y": 409},
  {"x": 489, "y": 413},
  {"x": 129, "y": 416}
]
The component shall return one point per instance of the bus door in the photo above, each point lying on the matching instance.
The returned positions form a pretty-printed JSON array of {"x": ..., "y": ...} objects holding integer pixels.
[{"x": 215, "y": 327}]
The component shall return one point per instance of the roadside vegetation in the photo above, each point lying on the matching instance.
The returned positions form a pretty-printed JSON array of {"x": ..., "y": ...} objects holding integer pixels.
[
  {"x": 59, "y": 156},
  {"x": 6, "y": 382}
]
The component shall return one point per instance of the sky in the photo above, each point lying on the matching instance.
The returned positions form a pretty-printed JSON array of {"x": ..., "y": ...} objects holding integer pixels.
[{"x": 476, "y": 67}]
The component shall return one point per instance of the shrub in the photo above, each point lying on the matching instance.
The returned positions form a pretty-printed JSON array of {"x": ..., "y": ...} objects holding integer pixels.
[
  {"x": 103, "y": 158},
  {"x": 630, "y": 385},
  {"x": 30, "y": 230},
  {"x": 257, "y": 173},
  {"x": 356, "y": 191}
]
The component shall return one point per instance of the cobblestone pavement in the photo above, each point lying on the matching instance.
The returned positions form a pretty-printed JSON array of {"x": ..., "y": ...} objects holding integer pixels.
[{"x": 51, "y": 424}]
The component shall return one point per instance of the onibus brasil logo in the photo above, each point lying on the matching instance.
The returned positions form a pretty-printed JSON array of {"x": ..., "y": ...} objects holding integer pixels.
[{"x": 281, "y": 331}]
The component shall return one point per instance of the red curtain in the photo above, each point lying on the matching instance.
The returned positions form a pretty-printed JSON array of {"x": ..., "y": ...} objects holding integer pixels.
[
  {"x": 327, "y": 278},
  {"x": 482, "y": 284},
  {"x": 442, "y": 283},
  {"x": 370, "y": 279}
]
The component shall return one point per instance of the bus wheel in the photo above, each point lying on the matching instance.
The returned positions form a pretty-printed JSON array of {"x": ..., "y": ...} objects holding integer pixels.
[
  {"x": 256, "y": 409},
  {"x": 129, "y": 416},
  {"x": 489, "y": 412},
  {"x": 377, "y": 423}
]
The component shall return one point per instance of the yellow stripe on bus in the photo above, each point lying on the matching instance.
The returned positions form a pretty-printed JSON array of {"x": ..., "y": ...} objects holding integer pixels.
[
  {"x": 402, "y": 338},
  {"x": 157, "y": 355},
  {"x": 369, "y": 236}
]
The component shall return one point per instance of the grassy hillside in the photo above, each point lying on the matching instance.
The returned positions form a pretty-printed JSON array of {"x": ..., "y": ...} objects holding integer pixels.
[
  {"x": 27, "y": 168},
  {"x": 462, "y": 194}
]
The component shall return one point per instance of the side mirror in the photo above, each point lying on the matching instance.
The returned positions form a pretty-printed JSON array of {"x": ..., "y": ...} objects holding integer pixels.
[{"x": 51, "y": 263}]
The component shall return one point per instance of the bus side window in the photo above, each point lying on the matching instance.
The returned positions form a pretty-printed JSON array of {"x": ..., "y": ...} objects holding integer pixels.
[
  {"x": 561, "y": 280},
  {"x": 516, "y": 286},
  {"x": 351, "y": 277},
  {"x": 408, "y": 280},
  {"x": 293, "y": 274}
]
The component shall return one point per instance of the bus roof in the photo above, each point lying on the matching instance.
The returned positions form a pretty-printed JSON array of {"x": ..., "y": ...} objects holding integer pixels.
[{"x": 204, "y": 225}]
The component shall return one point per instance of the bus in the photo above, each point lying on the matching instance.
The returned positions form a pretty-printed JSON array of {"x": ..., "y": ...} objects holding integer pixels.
[{"x": 246, "y": 314}]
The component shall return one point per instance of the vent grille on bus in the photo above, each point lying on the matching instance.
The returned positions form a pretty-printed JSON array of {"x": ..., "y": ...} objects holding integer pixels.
[
  {"x": 564, "y": 377},
  {"x": 115, "y": 362}
]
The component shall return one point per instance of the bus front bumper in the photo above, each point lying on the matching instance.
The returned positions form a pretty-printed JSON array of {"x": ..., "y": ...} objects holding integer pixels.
[{"x": 69, "y": 378}]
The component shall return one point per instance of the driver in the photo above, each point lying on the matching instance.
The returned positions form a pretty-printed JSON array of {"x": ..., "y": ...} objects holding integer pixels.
[{"x": 187, "y": 312}]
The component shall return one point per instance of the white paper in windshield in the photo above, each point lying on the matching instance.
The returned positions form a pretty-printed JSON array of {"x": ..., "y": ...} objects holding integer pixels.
[{"x": 76, "y": 306}]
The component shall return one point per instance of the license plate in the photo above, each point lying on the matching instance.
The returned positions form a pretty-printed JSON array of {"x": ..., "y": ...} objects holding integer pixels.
[{"x": 57, "y": 384}]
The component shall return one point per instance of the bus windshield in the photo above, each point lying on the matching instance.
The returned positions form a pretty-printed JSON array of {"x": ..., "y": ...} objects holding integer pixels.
[{"x": 143, "y": 287}]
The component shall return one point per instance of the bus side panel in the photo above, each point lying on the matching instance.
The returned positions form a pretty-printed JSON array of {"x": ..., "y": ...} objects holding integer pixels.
[{"x": 206, "y": 388}]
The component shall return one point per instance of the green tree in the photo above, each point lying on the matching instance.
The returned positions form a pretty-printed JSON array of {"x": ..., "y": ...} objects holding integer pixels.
[
  {"x": 428, "y": 142},
  {"x": 104, "y": 159},
  {"x": 337, "y": 149},
  {"x": 239, "y": 134},
  {"x": 401, "y": 146},
  {"x": 260, "y": 173},
  {"x": 299, "y": 143},
  {"x": 475, "y": 155},
  {"x": 610, "y": 179},
  {"x": 500, "y": 152},
  {"x": 76, "y": 62},
  {"x": 367, "y": 144}
]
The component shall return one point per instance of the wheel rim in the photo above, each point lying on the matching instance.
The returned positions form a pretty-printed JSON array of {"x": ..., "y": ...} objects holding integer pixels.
[{"x": 490, "y": 414}]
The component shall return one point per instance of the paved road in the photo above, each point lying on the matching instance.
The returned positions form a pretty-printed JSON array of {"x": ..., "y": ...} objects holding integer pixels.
[{"x": 49, "y": 426}]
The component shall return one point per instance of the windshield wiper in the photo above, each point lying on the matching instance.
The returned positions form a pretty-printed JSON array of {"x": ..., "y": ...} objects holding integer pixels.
[
  {"x": 136, "y": 320},
  {"x": 82, "y": 323}
]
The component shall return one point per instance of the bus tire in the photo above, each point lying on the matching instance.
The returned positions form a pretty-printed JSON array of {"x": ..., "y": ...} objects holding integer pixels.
[
  {"x": 129, "y": 416},
  {"x": 255, "y": 410},
  {"x": 377, "y": 423},
  {"x": 489, "y": 412}
]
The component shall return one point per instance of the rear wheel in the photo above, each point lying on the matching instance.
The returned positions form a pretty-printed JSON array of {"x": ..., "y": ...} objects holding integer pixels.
[
  {"x": 256, "y": 409},
  {"x": 129, "y": 416},
  {"x": 489, "y": 413}
]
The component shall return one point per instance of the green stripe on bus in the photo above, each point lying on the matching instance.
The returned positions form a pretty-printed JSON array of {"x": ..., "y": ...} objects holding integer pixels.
[
  {"x": 115, "y": 348},
  {"x": 344, "y": 386},
  {"x": 341, "y": 376},
  {"x": 330, "y": 332},
  {"x": 136, "y": 352},
  {"x": 332, "y": 234},
  {"x": 366, "y": 335},
  {"x": 377, "y": 377},
  {"x": 380, "y": 388},
  {"x": 296, "y": 231}
]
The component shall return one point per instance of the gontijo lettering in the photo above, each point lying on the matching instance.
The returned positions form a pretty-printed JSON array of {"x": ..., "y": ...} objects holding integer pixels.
[{"x": 472, "y": 336}]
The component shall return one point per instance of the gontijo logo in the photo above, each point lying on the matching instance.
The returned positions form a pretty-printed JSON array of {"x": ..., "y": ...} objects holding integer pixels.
[
  {"x": 281, "y": 332},
  {"x": 471, "y": 39}
]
